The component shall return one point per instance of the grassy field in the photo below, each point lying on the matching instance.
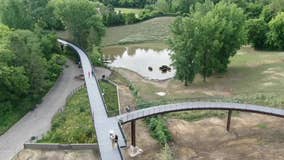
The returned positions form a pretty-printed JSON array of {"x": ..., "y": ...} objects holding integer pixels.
[
  {"x": 74, "y": 124},
  {"x": 156, "y": 29},
  {"x": 254, "y": 77},
  {"x": 128, "y": 10},
  {"x": 150, "y": 32}
]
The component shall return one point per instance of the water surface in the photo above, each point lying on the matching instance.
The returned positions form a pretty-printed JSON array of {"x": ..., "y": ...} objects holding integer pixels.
[{"x": 139, "y": 60}]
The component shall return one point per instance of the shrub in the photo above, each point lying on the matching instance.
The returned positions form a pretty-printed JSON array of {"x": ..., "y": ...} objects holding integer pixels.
[{"x": 158, "y": 129}]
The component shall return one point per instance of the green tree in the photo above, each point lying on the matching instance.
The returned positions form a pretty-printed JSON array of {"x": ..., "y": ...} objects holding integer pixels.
[
  {"x": 204, "y": 41},
  {"x": 79, "y": 17},
  {"x": 15, "y": 14},
  {"x": 232, "y": 35},
  {"x": 257, "y": 31},
  {"x": 27, "y": 48},
  {"x": 184, "y": 57},
  {"x": 276, "y": 33},
  {"x": 14, "y": 83}
]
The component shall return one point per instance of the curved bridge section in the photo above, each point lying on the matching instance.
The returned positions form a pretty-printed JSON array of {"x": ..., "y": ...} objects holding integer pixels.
[
  {"x": 143, "y": 113},
  {"x": 102, "y": 123}
]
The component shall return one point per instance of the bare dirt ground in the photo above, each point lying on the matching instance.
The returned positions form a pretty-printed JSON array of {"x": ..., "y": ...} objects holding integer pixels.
[
  {"x": 56, "y": 155},
  {"x": 145, "y": 141},
  {"x": 252, "y": 137}
]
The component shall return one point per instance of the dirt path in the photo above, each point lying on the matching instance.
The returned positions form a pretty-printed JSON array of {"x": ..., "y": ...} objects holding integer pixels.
[{"x": 38, "y": 122}]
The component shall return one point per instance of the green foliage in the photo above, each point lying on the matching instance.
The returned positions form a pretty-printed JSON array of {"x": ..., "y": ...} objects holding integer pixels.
[
  {"x": 257, "y": 30},
  {"x": 74, "y": 124},
  {"x": 158, "y": 129},
  {"x": 110, "y": 97},
  {"x": 27, "y": 71},
  {"x": 114, "y": 18},
  {"x": 129, "y": 3},
  {"x": 79, "y": 17},
  {"x": 29, "y": 13},
  {"x": 55, "y": 66},
  {"x": 205, "y": 40},
  {"x": 96, "y": 57},
  {"x": 14, "y": 84},
  {"x": 276, "y": 33},
  {"x": 16, "y": 8},
  {"x": 130, "y": 18}
]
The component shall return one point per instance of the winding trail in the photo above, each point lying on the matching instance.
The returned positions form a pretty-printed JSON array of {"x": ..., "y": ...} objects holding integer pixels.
[{"x": 38, "y": 122}]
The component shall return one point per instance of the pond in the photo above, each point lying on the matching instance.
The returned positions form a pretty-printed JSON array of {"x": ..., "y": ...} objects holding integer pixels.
[{"x": 146, "y": 62}]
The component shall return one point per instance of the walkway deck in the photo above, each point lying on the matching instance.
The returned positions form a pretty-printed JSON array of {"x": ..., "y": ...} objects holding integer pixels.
[
  {"x": 102, "y": 123},
  {"x": 139, "y": 114}
]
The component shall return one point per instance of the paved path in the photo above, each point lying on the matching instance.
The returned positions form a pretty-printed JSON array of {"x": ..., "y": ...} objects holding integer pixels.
[
  {"x": 142, "y": 113},
  {"x": 38, "y": 122},
  {"x": 102, "y": 122}
]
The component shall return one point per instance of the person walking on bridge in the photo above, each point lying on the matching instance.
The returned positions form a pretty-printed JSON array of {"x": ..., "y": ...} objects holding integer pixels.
[{"x": 112, "y": 137}]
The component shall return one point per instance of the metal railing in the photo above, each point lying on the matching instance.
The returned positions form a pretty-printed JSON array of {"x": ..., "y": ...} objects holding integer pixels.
[{"x": 138, "y": 114}]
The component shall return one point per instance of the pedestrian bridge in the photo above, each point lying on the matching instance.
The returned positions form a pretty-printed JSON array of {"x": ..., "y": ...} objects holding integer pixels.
[{"x": 143, "y": 113}]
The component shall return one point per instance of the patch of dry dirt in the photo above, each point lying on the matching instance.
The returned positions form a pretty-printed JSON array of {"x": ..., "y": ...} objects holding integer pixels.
[
  {"x": 252, "y": 137},
  {"x": 28, "y": 154},
  {"x": 144, "y": 139}
]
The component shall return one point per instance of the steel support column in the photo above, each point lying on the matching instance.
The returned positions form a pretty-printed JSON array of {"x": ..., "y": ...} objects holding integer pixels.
[
  {"x": 133, "y": 133},
  {"x": 229, "y": 120}
]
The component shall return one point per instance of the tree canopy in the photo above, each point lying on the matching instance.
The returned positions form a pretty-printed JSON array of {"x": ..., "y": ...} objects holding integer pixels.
[
  {"x": 204, "y": 41},
  {"x": 79, "y": 17}
]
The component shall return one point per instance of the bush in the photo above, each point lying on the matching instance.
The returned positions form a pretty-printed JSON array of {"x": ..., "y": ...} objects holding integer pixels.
[
  {"x": 96, "y": 57},
  {"x": 74, "y": 124},
  {"x": 158, "y": 129},
  {"x": 257, "y": 30},
  {"x": 130, "y": 18}
]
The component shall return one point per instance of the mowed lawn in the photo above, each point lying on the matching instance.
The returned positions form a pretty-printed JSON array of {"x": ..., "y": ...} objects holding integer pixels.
[{"x": 156, "y": 29}]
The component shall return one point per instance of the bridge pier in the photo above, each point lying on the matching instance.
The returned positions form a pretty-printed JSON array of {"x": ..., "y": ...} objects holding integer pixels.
[
  {"x": 229, "y": 120},
  {"x": 133, "y": 133}
]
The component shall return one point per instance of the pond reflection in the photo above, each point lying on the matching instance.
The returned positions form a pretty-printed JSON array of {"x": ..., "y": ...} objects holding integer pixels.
[{"x": 144, "y": 61}]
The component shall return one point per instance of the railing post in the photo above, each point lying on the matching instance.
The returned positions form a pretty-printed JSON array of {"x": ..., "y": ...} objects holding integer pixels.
[
  {"x": 229, "y": 120},
  {"x": 133, "y": 133}
]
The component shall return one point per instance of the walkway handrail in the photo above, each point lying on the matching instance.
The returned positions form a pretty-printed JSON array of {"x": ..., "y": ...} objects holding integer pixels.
[
  {"x": 147, "y": 112},
  {"x": 102, "y": 122},
  {"x": 93, "y": 71}
]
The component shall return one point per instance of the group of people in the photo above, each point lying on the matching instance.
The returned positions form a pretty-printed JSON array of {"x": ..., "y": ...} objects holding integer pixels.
[{"x": 114, "y": 139}]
